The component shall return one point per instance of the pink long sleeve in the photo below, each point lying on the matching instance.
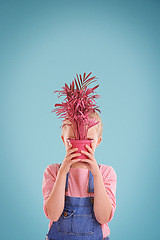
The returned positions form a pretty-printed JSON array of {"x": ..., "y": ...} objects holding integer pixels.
[{"x": 110, "y": 181}]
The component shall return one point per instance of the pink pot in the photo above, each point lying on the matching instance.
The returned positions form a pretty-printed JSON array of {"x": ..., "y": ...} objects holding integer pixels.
[{"x": 80, "y": 144}]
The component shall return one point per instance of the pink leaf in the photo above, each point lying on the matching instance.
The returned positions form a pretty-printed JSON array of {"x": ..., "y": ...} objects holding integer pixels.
[{"x": 88, "y": 75}]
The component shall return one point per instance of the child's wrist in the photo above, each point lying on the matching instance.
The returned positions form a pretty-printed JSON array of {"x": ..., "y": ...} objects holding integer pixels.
[
  {"x": 97, "y": 174},
  {"x": 62, "y": 172}
]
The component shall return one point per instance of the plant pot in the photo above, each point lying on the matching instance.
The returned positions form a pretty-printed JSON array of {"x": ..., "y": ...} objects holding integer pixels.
[{"x": 80, "y": 144}]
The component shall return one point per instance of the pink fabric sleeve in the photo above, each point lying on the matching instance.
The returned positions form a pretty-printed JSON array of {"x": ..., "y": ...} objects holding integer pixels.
[
  {"x": 110, "y": 181},
  {"x": 49, "y": 178}
]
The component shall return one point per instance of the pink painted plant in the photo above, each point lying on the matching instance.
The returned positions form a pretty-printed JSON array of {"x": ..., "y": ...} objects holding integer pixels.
[{"x": 79, "y": 102}]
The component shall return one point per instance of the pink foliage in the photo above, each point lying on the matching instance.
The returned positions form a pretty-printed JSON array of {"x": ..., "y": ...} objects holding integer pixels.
[{"x": 79, "y": 102}]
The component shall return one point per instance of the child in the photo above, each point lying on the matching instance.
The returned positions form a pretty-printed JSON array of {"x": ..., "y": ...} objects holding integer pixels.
[{"x": 79, "y": 196}]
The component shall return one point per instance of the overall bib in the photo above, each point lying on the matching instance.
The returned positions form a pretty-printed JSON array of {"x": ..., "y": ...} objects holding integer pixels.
[{"x": 77, "y": 221}]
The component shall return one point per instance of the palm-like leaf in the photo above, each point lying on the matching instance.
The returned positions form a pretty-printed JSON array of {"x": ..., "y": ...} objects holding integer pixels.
[{"x": 81, "y": 83}]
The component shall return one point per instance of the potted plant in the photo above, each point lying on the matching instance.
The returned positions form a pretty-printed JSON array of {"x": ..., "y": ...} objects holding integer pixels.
[{"x": 79, "y": 102}]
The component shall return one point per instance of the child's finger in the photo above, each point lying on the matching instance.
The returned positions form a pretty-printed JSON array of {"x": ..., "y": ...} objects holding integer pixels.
[
  {"x": 69, "y": 145},
  {"x": 89, "y": 148},
  {"x": 72, "y": 150},
  {"x": 86, "y": 153},
  {"x": 75, "y": 160},
  {"x": 86, "y": 160},
  {"x": 74, "y": 155}
]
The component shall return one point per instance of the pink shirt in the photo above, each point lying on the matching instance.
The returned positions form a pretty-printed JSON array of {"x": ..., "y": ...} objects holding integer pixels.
[{"x": 78, "y": 184}]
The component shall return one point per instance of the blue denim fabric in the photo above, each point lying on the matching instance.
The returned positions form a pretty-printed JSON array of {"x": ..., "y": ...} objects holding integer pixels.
[{"x": 77, "y": 221}]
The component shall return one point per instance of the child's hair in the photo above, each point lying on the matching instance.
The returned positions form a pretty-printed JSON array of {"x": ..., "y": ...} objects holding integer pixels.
[{"x": 99, "y": 126}]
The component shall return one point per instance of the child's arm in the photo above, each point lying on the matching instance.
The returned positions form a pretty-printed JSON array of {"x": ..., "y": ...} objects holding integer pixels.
[
  {"x": 55, "y": 202},
  {"x": 102, "y": 204}
]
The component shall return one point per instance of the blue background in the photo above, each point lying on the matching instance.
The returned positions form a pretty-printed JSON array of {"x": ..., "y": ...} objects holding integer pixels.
[{"x": 43, "y": 45}]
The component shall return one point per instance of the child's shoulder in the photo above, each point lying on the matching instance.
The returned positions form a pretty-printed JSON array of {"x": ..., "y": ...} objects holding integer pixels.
[
  {"x": 103, "y": 166},
  {"x": 53, "y": 165},
  {"x": 107, "y": 170},
  {"x": 52, "y": 168}
]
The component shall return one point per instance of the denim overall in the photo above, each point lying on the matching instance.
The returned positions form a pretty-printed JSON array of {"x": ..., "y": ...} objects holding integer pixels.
[{"x": 77, "y": 221}]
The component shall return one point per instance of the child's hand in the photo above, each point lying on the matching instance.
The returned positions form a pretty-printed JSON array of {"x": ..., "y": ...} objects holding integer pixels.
[
  {"x": 93, "y": 166},
  {"x": 68, "y": 161}
]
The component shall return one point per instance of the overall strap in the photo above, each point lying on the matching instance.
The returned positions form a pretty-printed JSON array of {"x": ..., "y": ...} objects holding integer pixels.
[{"x": 90, "y": 184}]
